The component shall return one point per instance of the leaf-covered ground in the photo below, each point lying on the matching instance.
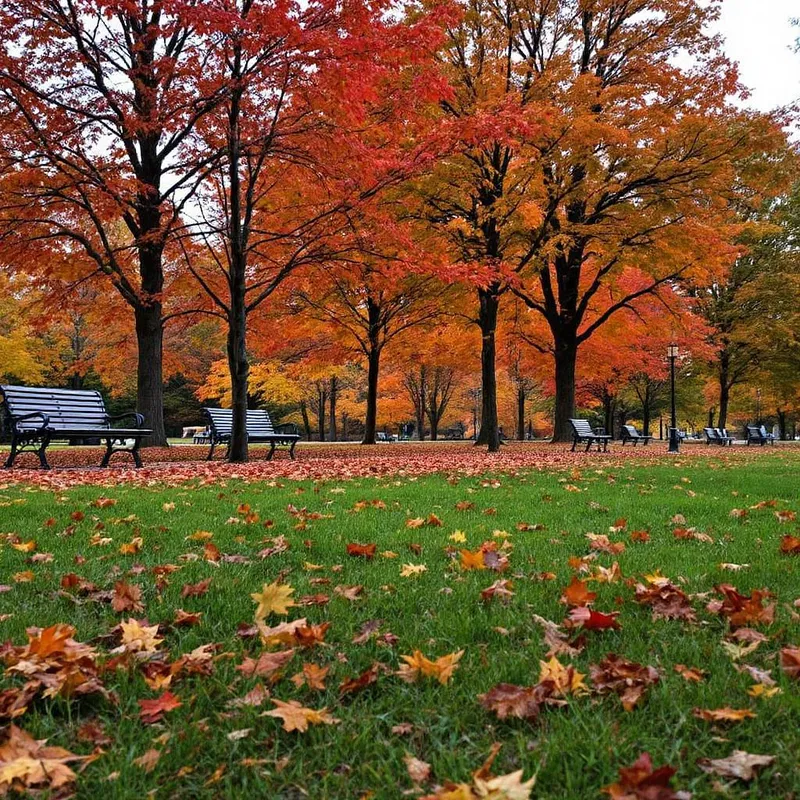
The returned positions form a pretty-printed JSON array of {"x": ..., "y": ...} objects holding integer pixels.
[{"x": 175, "y": 680}]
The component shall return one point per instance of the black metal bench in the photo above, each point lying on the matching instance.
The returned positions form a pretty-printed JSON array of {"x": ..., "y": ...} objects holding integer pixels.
[
  {"x": 630, "y": 434},
  {"x": 454, "y": 432},
  {"x": 582, "y": 432},
  {"x": 758, "y": 434},
  {"x": 717, "y": 436},
  {"x": 37, "y": 416},
  {"x": 260, "y": 430}
]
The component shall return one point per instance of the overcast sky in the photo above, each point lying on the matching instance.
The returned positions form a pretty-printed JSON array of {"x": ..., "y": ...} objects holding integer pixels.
[{"x": 760, "y": 38}]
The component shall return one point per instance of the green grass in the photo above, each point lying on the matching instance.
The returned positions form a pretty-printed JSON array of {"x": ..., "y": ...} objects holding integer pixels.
[{"x": 574, "y": 751}]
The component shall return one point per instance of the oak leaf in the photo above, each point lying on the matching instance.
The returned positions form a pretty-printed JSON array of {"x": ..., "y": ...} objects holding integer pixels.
[{"x": 739, "y": 764}]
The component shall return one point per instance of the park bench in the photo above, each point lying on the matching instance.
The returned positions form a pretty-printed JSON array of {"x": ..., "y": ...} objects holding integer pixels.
[
  {"x": 37, "y": 416},
  {"x": 260, "y": 430},
  {"x": 630, "y": 434},
  {"x": 582, "y": 432},
  {"x": 717, "y": 436},
  {"x": 456, "y": 431},
  {"x": 759, "y": 435}
]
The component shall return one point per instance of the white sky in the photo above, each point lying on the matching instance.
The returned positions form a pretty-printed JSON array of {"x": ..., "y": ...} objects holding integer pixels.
[{"x": 759, "y": 36}]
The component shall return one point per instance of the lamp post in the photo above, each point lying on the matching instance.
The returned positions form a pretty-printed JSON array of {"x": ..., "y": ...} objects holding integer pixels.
[
  {"x": 674, "y": 439},
  {"x": 758, "y": 406}
]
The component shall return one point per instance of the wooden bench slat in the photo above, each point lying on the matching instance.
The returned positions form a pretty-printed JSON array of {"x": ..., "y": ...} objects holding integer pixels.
[
  {"x": 259, "y": 430},
  {"x": 64, "y": 414}
]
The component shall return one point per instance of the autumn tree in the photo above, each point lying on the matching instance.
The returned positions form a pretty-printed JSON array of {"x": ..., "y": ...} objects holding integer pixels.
[
  {"x": 100, "y": 104},
  {"x": 595, "y": 166},
  {"x": 370, "y": 301},
  {"x": 304, "y": 144}
]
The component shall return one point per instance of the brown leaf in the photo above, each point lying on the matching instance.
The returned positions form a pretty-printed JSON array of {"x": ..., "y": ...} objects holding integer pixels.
[
  {"x": 265, "y": 664},
  {"x": 739, "y": 765},
  {"x": 152, "y": 711},
  {"x": 641, "y": 782},
  {"x": 127, "y": 597}
]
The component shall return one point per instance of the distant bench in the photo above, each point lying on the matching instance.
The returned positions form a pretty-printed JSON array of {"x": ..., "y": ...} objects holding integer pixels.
[
  {"x": 757, "y": 434},
  {"x": 38, "y": 416},
  {"x": 582, "y": 432},
  {"x": 260, "y": 430},
  {"x": 630, "y": 434}
]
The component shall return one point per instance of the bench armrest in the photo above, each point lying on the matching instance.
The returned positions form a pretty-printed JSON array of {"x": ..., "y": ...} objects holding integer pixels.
[
  {"x": 34, "y": 415},
  {"x": 287, "y": 427},
  {"x": 135, "y": 415}
]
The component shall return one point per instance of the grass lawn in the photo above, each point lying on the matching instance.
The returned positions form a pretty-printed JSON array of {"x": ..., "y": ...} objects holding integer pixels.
[{"x": 210, "y": 748}]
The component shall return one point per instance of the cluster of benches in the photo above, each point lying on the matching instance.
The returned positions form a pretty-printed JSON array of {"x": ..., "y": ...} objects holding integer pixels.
[{"x": 36, "y": 417}]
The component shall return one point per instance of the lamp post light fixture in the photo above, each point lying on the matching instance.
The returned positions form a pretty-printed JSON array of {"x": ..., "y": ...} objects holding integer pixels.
[{"x": 674, "y": 439}]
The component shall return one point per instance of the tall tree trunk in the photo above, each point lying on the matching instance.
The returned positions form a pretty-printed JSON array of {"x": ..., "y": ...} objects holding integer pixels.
[
  {"x": 434, "y": 420},
  {"x": 322, "y": 399},
  {"x": 306, "y": 420},
  {"x": 334, "y": 390},
  {"x": 521, "y": 413},
  {"x": 487, "y": 320},
  {"x": 565, "y": 355},
  {"x": 239, "y": 368},
  {"x": 608, "y": 413},
  {"x": 422, "y": 402},
  {"x": 648, "y": 400},
  {"x": 782, "y": 424},
  {"x": 724, "y": 387},
  {"x": 370, "y": 423},
  {"x": 149, "y": 371},
  {"x": 711, "y": 413}
]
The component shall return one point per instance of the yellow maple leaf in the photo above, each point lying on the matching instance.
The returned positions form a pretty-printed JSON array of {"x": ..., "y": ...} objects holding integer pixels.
[
  {"x": 138, "y": 638},
  {"x": 472, "y": 560},
  {"x": 505, "y": 787},
  {"x": 417, "y": 665},
  {"x": 762, "y": 690},
  {"x": 297, "y": 717},
  {"x": 566, "y": 680},
  {"x": 458, "y": 536},
  {"x": 274, "y": 598},
  {"x": 409, "y": 570},
  {"x": 309, "y": 567}
]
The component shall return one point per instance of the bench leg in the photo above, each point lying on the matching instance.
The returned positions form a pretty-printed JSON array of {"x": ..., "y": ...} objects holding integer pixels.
[
  {"x": 12, "y": 455},
  {"x": 137, "y": 459},
  {"x": 40, "y": 452},
  {"x": 271, "y": 451},
  {"x": 588, "y": 446},
  {"x": 107, "y": 455},
  {"x": 574, "y": 442},
  {"x": 211, "y": 450},
  {"x": 291, "y": 450}
]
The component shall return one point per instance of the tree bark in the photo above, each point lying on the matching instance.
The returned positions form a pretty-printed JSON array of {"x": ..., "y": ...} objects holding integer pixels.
[
  {"x": 521, "y": 413},
  {"x": 370, "y": 423},
  {"x": 422, "y": 402},
  {"x": 648, "y": 399},
  {"x": 239, "y": 368},
  {"x": 322, "y": 399},
  {"x": 724, "y": 387},
  {"x": 608, "y": 414},
  {"x": 565, "y": 356},
  {"x": 306, "y": 420},
  {"x": 782, "y": 424},
  {"x": 149, "y": 371},
  {"x": 489, "y": 304},
  {"x": 334, "y": 390}
]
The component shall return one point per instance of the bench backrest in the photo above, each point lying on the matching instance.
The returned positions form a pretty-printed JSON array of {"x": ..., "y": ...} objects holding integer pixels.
[
  {"x": 711, "y": 433},
  {"x": 581, "y": 427},
  {"x": 68, "y": 409},
  {"x": 631, "y": 432},
  {"x": 258, "y": 421}
]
